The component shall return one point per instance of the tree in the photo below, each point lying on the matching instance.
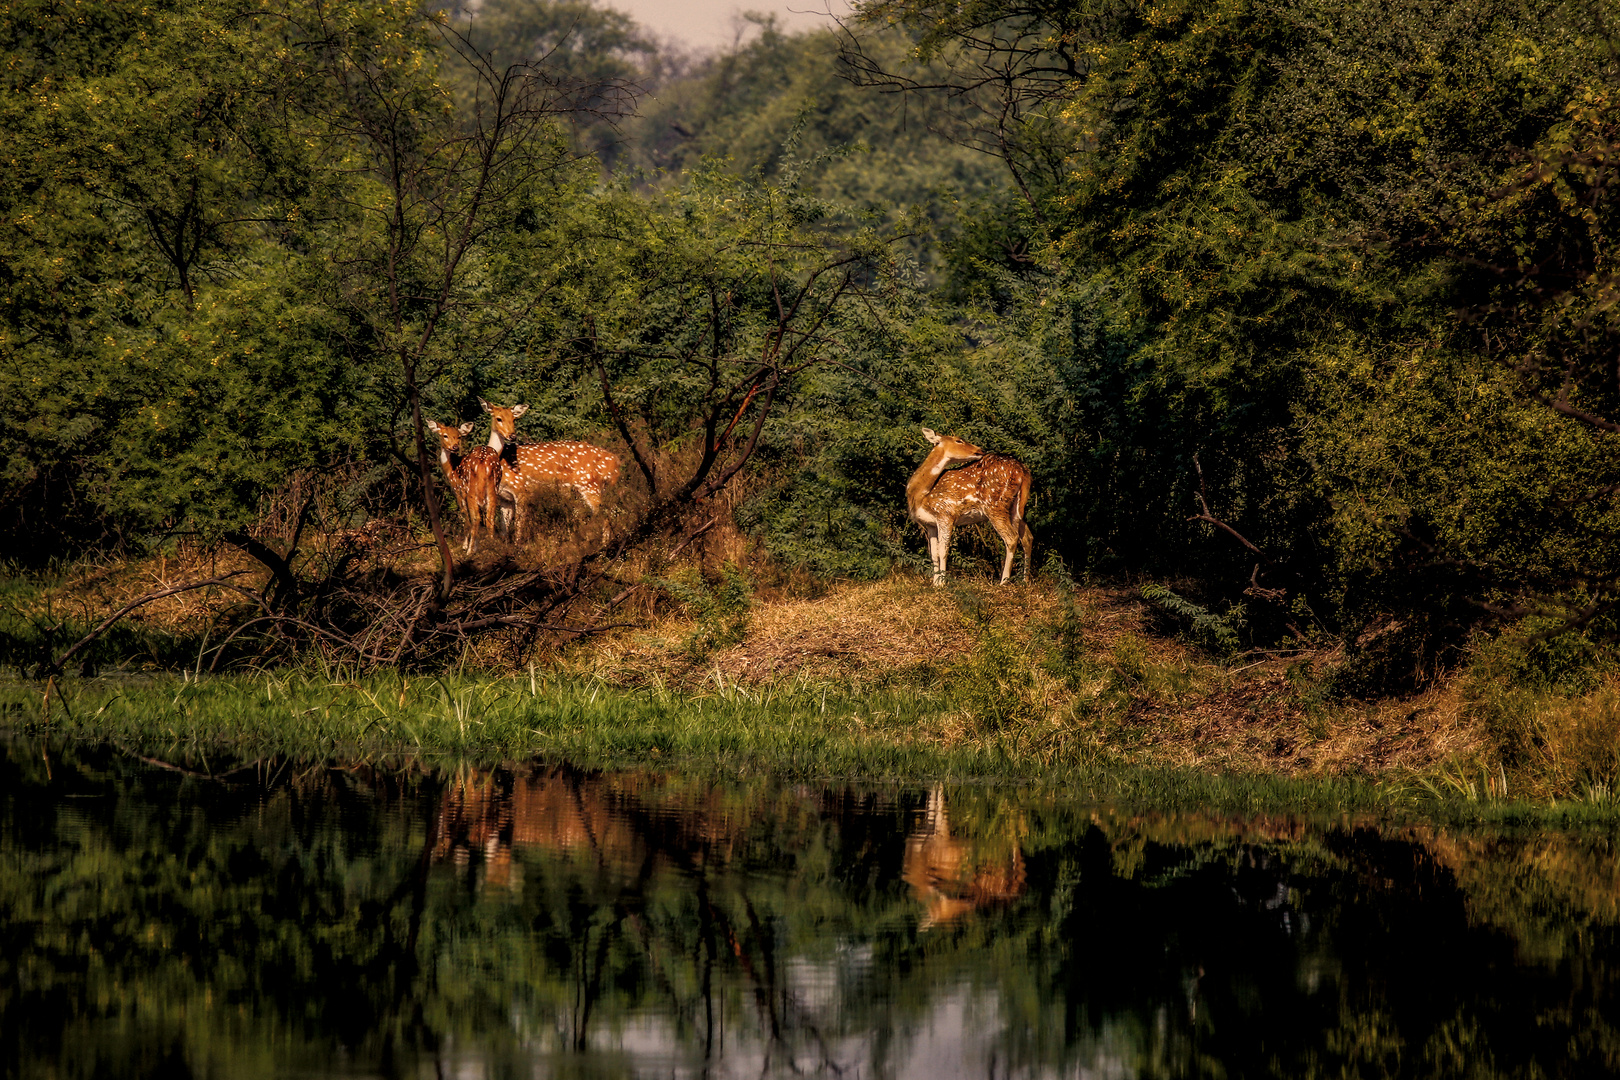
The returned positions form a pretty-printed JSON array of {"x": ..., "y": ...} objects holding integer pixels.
[
  {"x": 149, "y": 334},
  {"x": 596, "y": 51}
]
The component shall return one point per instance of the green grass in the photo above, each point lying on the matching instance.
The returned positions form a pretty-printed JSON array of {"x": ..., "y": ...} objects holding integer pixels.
[
  {"x": 882, "y": 736},
  {"x": 38, "y": 622}
]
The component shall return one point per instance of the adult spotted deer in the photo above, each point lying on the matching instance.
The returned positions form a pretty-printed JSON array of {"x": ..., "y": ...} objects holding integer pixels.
[
  {"x": 994, "y": 488},
  {"x": 474, "y": 478},
  {"x": 529, "y": 469}
]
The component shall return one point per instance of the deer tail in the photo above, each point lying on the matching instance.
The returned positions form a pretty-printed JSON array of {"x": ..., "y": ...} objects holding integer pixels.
[{"x": 1021, "y": 498}]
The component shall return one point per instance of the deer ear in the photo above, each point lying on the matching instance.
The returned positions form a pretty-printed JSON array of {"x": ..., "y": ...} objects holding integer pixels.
[
  {"x": 431, "y": 426},
  {"x": 930, "y": 436},
  {"x": 519, "y": 410},
  {"x": 487, "y": 406},
  {"x": 466, "y": 429}
]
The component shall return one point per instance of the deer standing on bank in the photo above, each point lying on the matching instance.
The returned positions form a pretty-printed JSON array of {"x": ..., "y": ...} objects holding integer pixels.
[
  {"x": 529, "y": 469},
  {"x": 993, "y": 488},
  {"x": 474, "y": 478}
]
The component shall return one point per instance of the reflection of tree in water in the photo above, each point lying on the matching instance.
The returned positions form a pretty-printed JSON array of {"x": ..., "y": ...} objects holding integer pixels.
[
  {"x": 482, "y": 922},
  {"x": 646, "y": 894}
]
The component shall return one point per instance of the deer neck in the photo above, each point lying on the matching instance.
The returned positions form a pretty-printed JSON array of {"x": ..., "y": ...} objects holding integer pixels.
[
  {"x": 922, "y": 481},
  {"x": 499, "y": 445},
  {"x": 447, "y": 462}
]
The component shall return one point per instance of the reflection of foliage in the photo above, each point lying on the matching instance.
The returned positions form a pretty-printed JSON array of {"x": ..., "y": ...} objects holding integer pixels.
[{"x": 258, "y": 925}]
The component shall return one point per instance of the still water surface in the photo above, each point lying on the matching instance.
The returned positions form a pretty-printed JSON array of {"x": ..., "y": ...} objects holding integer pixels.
[{"x": 540, "y": 920}]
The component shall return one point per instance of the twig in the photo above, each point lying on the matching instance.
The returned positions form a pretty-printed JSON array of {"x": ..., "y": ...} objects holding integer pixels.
[
  {"x": 676, "y": 550},
  {"x": 1255, "y": 589},
  {"x": 1211, "y": 519},
  {"x": 523, "y": 620}
]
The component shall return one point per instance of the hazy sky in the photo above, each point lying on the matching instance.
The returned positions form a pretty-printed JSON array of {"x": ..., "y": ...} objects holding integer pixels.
[{"x": 709, "y": 23}]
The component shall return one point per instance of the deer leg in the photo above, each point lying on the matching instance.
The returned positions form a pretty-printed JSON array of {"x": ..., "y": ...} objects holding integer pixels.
[
  {"x": 943, "y": 550},
  {"x": 459, "y": 490},
  {"x": 1028, "y": 537},
  {"x": 1007, "y": 530},
  {"x": 480, "y": 521}
]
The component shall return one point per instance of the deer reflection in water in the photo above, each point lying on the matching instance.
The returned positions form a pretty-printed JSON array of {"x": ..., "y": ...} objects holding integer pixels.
[
  {"x": 496, "y": 813},
  {"x": 952, "y": 876},
  {"x": 602, "y": 852}
]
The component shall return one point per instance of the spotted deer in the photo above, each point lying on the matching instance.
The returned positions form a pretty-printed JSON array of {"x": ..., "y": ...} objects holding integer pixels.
[
  {"x": 529, "y": 469},
  {"x": 993, "y": 488},
  {"x": 474, "y": 478}
]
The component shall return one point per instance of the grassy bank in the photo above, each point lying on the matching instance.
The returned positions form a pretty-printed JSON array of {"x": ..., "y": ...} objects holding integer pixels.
[
  {"x": 214, "y": 725},
  {"x": 1049, "y": 681}
]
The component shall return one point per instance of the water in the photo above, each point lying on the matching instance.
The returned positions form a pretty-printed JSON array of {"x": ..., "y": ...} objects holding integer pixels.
[{"x": 408, "y": 921}]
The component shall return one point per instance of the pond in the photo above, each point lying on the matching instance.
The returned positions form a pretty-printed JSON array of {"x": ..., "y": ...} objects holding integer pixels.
[{"x": 413, "y": 920}]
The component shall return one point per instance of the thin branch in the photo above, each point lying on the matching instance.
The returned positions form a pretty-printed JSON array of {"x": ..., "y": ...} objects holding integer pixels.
[{"x": 56, "y": 665}]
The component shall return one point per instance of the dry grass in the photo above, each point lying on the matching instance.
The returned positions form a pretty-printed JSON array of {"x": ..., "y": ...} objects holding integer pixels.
[
  {"x": 1259, "y": 723},
  {"x": 857, "y": 636},
  {"x": 987, "y": 653},
  {"x": 88, "y": 592},
  {"x": 1145, "y": 695}
]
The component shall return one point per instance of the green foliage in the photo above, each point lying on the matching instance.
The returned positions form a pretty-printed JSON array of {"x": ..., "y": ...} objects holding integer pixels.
[
  {"x": 1217, "y": 275},
  {"x": 1540, "y": 654},
  {"x": 596, "y": 52},
  {"x": 1221, "y": 634},
  {"x": 996, "y": 682},
  {"x": 162, "y": 364},
  {"x": 1523, "y": 675},
  {"x": 1066, "y": 656},
  {"x": 872, "y": 151},
  {"x": 721, "y": 611},
  {"x": 1269, "y": 216}
]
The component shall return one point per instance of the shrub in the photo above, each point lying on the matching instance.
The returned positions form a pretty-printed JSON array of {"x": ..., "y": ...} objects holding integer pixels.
[{"x": 721, "y": 611}]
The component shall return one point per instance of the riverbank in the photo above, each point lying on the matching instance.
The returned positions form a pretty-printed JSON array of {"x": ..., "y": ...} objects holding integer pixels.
[
  {"x": 1048, "y": 682},
  {"x": 223, "y": 726}
]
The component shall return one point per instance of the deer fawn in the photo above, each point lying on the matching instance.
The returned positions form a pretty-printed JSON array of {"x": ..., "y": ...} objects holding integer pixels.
[
  {"x": 994, "y": 488},
  {"x": 475, "y": 478},
  {"x": 527, "y": 470}
]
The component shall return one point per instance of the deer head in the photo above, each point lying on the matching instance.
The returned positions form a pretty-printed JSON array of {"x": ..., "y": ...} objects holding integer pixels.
[
  {"x": 502, "y": 422},
  {"x": 450, "y": 435},
  {"x": 950, "y": 448}
]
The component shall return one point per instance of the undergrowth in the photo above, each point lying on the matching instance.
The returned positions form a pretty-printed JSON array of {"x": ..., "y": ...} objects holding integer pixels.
[{"x": 1040, "y": 681}]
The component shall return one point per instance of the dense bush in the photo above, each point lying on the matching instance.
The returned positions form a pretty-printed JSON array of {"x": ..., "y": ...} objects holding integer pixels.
[{"x": 1305, "y": 301}]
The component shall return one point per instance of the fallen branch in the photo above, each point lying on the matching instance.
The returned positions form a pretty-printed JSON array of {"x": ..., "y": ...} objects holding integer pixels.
[
  {"x": 699, "y": 531},
  {"x": 1209, "y": 518},
  {"x": 55, "y": 666},
  {"x": 524, "y": 621}
]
